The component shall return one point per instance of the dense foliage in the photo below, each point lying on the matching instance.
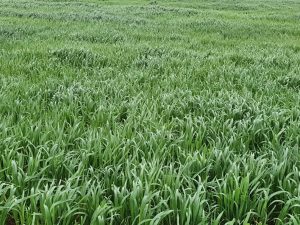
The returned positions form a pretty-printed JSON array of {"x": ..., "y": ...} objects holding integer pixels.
[{"x": 149, "y": 112}]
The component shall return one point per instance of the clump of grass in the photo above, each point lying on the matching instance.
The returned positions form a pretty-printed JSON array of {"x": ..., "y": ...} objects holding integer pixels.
[
  {"x": 107, "y": 37},
  {"x": 290, "y": 81},
  {"x": 79, "y": 58}
]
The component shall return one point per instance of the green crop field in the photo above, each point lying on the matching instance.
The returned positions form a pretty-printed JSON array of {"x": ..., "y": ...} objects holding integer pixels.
[{"x": 166, "y": 112}]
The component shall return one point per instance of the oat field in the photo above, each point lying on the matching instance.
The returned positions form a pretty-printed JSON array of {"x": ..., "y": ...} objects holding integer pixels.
[{"x": 138, "y": 112}]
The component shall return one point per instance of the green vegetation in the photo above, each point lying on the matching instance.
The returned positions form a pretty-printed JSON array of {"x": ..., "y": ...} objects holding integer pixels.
[{"x": 149, "y": 112}]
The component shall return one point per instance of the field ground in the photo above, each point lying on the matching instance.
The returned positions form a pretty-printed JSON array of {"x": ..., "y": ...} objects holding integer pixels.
[{"x": 149, "y": 112}]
